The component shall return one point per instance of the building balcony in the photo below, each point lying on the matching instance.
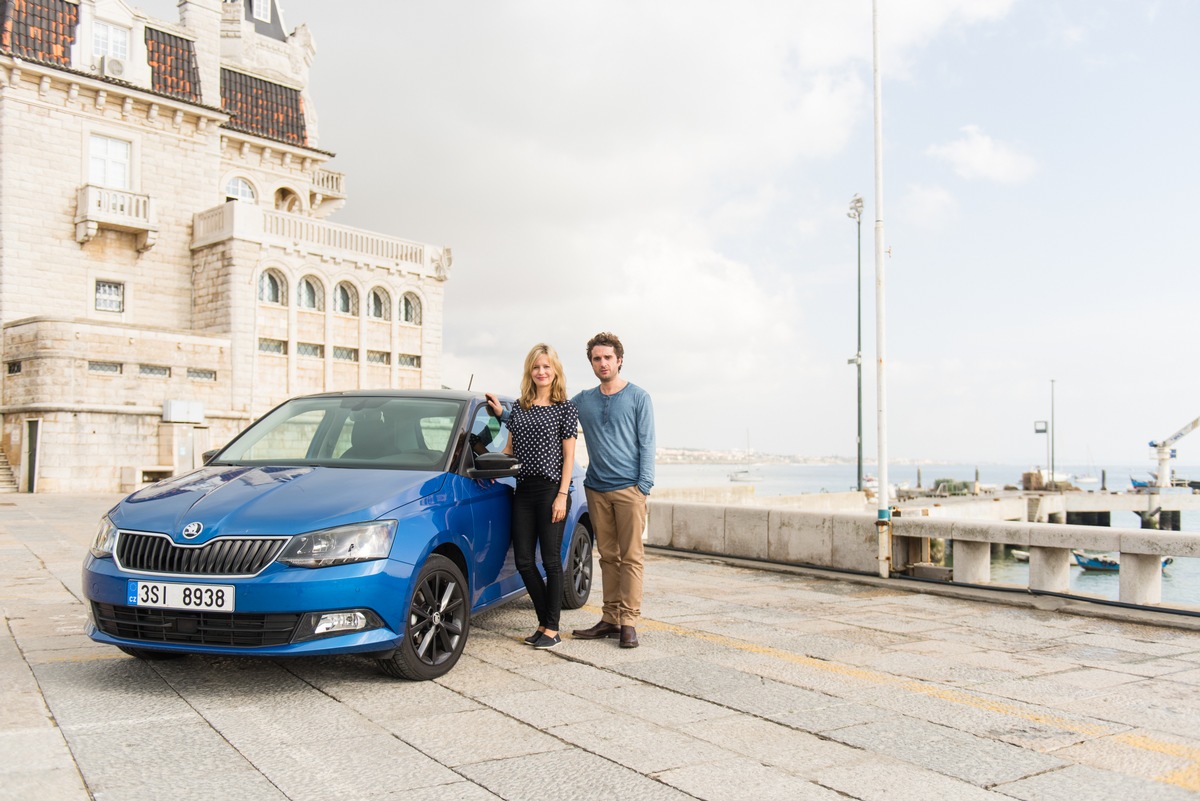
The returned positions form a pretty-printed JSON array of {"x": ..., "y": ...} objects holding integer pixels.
[
  {"x": 301, "y": 234},
  {"x": 329, "y": 183},
  {"x": 99, "y": 207}
]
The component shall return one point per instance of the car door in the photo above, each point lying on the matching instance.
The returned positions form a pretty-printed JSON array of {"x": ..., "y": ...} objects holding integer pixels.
[{"x": 490, "y": 503}]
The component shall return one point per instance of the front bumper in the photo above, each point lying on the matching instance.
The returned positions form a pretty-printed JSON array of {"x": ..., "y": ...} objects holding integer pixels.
[{"x": 269, "y": 613}]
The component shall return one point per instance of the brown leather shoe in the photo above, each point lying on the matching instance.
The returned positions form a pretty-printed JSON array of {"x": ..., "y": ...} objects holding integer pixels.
[
  {"x": 601, "y": 629},
  {"x": 629, "y": 637}
]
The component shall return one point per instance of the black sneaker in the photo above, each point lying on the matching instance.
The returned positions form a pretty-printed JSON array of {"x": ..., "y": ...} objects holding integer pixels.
[
  {"x": 544, "y": 641},
  {"x": 533, "y": 638}
]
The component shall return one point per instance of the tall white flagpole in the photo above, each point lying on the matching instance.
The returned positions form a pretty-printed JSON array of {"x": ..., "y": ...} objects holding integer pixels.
[{"x": 884, "y": 521}]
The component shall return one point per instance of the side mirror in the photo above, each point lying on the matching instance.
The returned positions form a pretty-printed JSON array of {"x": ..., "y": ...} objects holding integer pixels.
[
  {"x": 494, "y": 465},
  {"x": 207, "y": 456}
]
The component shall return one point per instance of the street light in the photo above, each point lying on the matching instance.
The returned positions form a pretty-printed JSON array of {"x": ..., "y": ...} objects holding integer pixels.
[
  {"x": 1042, "y": 427},
  {"x": 855, "y": 213}
]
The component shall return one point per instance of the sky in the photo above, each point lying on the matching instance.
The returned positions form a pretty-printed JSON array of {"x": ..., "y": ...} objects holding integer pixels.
[{"x": 679, "y": 172}]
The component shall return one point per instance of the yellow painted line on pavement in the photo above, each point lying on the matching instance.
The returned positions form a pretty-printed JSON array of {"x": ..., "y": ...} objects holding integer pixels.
[{"x": 1187, "y": 777}]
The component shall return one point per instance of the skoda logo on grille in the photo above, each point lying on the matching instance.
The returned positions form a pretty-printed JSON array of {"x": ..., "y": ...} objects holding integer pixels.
[{"x": 192, "y": 530}]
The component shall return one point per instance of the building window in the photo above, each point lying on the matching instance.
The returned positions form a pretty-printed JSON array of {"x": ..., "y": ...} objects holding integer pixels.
[
  {"x": 408, "y": 360},
  {"x": 110, "y": 368},
  {"x": 14, "y": 368},
  {"x": 261, "y": 9},
  {"x": 110, "y": 296},
  {"x": 271, "y": 288},
  {"x": 345, "y": 299},
  {"x": 155, "y": 370},
  {"x": 110, "y": 41},
  {"x": 379, "y": 357},
  {"x": 108, "y": 162},
  {"x": 345, "y": 354},
  {"x": 310, "y": 349},
  {"x": 312, "y": 294},
  {"x": 239, "y": 188},
  {"x": 277, "y": 346},
  {"x": 379, "y": 304},
  {"x": 201, "y": 375},
  {"x": 410, "y": 309}
]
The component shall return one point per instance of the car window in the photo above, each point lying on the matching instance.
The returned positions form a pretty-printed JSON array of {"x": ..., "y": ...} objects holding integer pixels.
[
  {"x": 488, "y": 432},
  {"x": 407, "y": 433},
  {"x": 291, "y": 439}
]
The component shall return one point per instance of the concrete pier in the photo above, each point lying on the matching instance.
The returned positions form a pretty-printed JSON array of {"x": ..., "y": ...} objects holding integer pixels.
[{"x": 749, "y": 684}]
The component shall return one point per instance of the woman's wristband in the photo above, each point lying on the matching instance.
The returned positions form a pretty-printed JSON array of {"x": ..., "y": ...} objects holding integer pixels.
[{"x": 560, "y": 492}]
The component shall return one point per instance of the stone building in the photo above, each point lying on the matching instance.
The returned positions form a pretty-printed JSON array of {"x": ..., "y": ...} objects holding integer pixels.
[{"x": 167, "y": 270}]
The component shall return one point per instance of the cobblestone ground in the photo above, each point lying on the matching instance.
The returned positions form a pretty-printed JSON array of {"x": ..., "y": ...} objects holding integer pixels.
[{"x": 749, "y": 684}]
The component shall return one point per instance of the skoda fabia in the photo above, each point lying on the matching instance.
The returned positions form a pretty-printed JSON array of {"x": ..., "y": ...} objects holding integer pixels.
[{"x": 371, "y": 523}]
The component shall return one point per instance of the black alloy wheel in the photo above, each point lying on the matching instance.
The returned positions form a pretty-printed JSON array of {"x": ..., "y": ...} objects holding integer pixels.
[
  {"x": 438, "y": 620},
  {"x": 578, "y": 584}
]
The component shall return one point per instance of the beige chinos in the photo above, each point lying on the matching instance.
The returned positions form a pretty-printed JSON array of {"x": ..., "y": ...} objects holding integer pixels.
[{"x": 619, "y": 518}]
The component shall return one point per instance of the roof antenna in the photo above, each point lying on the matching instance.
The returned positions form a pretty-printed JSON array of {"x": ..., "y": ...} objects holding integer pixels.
[{"x": 470, "y": 381}]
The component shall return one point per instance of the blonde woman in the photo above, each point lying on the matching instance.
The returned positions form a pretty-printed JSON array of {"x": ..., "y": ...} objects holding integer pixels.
[{"x": 543, "y": 425}]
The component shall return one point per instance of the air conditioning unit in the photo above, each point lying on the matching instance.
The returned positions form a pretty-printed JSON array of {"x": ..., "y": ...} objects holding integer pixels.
[{"x": 112, "y": 67}]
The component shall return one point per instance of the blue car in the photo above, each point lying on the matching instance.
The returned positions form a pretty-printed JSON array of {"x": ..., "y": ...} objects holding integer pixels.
[{"x": 371, "y": 523}]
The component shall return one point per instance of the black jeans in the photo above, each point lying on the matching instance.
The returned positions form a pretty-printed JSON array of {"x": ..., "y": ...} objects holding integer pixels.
[{"x": 532, "y": 508}]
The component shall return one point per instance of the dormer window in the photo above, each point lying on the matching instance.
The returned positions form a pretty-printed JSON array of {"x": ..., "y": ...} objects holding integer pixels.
[
  {"x": 110, "y": 41},
  {"x": 262, "y": 10}
]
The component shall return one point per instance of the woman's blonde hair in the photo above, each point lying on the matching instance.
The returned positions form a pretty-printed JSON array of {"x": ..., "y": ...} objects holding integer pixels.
[{"x": 558, "y": 388}]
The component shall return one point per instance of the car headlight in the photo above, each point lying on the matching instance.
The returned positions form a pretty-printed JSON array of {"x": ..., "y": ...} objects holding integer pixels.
[
  {"x": 105, "y": 539},
  {"x": 343, "y": 545}
]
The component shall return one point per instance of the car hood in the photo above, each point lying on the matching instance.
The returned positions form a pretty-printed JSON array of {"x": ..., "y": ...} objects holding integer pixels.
[{"x": 269, "y": 501}]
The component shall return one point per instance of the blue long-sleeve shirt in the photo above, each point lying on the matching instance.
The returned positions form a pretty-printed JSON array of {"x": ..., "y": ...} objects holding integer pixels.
[{"x": 618, "y": 430}]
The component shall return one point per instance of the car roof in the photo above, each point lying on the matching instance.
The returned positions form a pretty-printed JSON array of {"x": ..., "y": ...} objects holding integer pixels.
[{"x": 440, "y": 394}]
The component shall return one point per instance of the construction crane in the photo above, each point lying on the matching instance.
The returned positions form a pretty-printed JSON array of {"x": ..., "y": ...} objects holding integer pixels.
[{"x": 1164, "y": 453}]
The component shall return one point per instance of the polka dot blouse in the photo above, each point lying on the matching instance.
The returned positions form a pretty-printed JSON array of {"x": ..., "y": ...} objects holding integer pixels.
[{"x": 538, "y": 434}]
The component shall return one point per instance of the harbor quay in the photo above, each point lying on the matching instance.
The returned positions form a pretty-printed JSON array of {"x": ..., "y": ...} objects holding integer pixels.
[{"x": 752, "y": 681}]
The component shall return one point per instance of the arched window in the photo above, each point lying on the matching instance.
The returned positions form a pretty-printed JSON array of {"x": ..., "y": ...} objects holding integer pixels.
[
  {"x": 410, "y": 309},
  {"x": 311, "y": 295},
  {"x": 345, "y": 299},
  {"x": 287, "y": 200},
  {"x": 239, "y": 188},
  {"x": 379, "y": 304},
  {"x": 272, "y": 288}
]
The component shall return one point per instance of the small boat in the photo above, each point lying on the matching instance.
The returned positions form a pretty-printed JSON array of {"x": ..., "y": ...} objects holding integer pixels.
[
  {"x": 1020, "y": 556},
  {"x": 1105, "y": 562},
  {"x": 744, "y": 475},
  {"x": 1084, "y": 479}
]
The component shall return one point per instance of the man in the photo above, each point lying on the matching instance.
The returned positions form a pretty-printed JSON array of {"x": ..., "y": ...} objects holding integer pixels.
[{"x": 618, "y": 429}]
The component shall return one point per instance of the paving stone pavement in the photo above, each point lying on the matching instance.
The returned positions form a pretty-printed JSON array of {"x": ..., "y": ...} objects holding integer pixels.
[{"x": 750, "y": 683}]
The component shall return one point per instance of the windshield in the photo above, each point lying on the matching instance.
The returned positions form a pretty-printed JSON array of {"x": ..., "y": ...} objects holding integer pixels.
[{"x": 397, "y": 433}]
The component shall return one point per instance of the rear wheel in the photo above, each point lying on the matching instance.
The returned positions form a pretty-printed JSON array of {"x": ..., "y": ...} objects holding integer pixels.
[
  {"x": 578, "y": 579},
  {"x": 438, "y": 620}
]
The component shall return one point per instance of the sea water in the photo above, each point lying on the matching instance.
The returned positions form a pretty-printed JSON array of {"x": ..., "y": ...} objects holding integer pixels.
[{"x": 1181, "y": 580}]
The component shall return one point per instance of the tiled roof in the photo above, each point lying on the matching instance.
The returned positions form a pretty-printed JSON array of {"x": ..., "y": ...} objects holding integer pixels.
[
  {"x": 39, "y": 30},
  {"x": 173, "y": 67},
  {"x": 263, "y": 108}
]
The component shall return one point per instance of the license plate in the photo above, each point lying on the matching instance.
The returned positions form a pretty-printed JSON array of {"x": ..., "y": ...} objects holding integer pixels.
[{"x": 169, "y": 595}]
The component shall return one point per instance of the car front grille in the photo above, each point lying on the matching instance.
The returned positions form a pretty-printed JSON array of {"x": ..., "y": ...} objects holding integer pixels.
[
  {"x": 226, "y": 556},
  {"x": 194, "y": 628}
]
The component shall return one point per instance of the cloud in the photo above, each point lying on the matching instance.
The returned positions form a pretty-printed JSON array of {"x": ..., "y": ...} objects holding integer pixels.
[
  {"x": 977, "y": 155},
  {"x": 930, "y": 207}
]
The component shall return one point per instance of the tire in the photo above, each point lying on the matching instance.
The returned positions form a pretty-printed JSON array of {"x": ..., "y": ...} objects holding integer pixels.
[
  {"x": 436, "y": 625},
  {"x": 577, "y": 577},
  {"x": 150, "y": 655}
]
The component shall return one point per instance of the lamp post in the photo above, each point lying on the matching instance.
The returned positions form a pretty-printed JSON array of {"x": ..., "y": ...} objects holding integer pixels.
[
  {"x": 1042, "y": 427},
  {"x": 1053, "y": 483},
  {"x": 855, "y": 213}
]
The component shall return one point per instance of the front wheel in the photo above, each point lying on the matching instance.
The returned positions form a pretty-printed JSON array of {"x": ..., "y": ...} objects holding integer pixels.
[
  {"x": 439, "y": 618},
  {"x": 578, "y": 584}
]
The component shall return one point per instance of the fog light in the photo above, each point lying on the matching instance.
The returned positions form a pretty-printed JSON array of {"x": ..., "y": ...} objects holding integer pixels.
[
  {"x": 340, "y": 621},
  {"x": 314, "y": 625}
]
